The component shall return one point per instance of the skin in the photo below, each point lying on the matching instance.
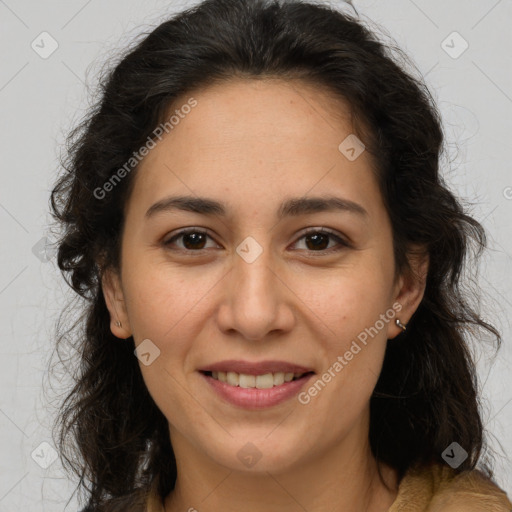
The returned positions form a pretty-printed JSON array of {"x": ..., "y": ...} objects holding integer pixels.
[{"x": 251, "y": 144}]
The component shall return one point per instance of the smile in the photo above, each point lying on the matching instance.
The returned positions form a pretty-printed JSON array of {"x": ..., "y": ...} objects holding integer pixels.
[
  {"x": 266, "y": 381},
  {"x": 255, "y": 392}
]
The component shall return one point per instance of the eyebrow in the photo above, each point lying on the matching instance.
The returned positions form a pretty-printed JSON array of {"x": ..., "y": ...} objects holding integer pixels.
[{"x": 291, "y": 207}]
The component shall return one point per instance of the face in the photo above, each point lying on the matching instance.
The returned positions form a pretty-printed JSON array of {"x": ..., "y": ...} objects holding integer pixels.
[{"x": 300, "y": 288}]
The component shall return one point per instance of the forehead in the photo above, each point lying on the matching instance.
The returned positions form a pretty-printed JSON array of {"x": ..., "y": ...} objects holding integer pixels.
[
  {"x": 256, "y": 138},
  {"x": 270, "y": 111}
]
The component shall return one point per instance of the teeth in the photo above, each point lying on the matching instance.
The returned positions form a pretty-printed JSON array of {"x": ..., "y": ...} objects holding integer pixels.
[
  {"x": 247, "y": 381},
  {"x": 233, "y": 378},
  {"x": 266, "y": 381}
]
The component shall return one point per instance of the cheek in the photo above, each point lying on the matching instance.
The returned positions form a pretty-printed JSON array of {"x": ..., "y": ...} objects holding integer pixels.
[
  {"x": 166, "y": 309},
  {"x": 348, "y": 309},
  {"x": 347, "y": 302},
  {"x": 159, "y": 300}
]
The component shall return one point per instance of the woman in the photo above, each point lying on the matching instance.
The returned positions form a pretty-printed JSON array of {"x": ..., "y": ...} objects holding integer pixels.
[{"x": 255, "y": 215}]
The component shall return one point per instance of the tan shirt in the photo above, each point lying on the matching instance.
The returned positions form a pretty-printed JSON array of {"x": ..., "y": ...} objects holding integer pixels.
[{"x": 435, "y": 488}]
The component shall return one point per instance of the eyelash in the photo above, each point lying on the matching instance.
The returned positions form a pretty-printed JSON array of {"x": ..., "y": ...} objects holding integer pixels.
[{"x": 310, "y": 231}]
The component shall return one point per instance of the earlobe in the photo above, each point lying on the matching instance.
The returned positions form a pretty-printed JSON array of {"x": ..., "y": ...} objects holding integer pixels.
[
  {"x": 411, "y": 289},
  {"x": 114, "y": 298}
]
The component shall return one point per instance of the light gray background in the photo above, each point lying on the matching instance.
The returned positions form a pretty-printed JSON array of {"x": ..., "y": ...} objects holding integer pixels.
[{"x": 41, "y": 99}]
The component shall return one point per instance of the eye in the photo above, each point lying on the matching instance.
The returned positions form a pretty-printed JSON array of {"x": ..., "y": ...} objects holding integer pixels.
[
  {"x": 316, "y": 239},
  {"x": 193, "y": 238}
]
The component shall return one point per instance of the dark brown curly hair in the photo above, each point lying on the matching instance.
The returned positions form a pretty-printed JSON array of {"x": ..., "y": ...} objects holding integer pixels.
[{"x": 111, "y": 433}]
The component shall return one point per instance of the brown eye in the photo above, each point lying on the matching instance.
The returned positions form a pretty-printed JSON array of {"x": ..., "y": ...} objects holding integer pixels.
[
  {"x": 192, "y": 239},
  {"x": 317, "y": 240}
]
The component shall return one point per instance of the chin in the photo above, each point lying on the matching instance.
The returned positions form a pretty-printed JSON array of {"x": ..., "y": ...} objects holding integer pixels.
[{"x": 258, "y": 454}]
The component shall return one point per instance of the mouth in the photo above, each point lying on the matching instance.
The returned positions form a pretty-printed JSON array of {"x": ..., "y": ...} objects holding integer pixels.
[
  {"x": 255, "y": 386},
  {"x": 255, "y": 391},
  {"x": 263, "y": 381}
]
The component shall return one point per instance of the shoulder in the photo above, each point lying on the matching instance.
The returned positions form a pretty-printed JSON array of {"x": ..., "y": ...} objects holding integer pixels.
[
  {"x": 439, "y": 488},
  {"x": 471, "y": 490}
]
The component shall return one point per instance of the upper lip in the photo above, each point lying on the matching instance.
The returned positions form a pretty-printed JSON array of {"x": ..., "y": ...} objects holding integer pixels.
[{"x": 255, "y": 368}]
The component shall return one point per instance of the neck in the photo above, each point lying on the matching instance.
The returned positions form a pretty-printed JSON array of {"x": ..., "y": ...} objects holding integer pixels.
[{"x": 344, "y": 478}]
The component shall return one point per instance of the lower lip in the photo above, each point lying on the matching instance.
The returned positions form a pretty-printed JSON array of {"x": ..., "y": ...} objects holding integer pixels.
[{"x": 254, "y": 398}]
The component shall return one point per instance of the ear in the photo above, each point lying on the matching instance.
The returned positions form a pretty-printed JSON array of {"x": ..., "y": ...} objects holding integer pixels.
[
  {"x": 410, "y": 288},
  {"x": 114, "y": 298}
]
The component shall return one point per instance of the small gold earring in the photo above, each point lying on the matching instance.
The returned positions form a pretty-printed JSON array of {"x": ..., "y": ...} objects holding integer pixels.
[
  {"x": 118, "y": 323},
  {"x": 400, "y": 324}
]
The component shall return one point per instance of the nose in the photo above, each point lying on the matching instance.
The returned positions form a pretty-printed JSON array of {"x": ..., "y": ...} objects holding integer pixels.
[{"x": 256, "y": 301}]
